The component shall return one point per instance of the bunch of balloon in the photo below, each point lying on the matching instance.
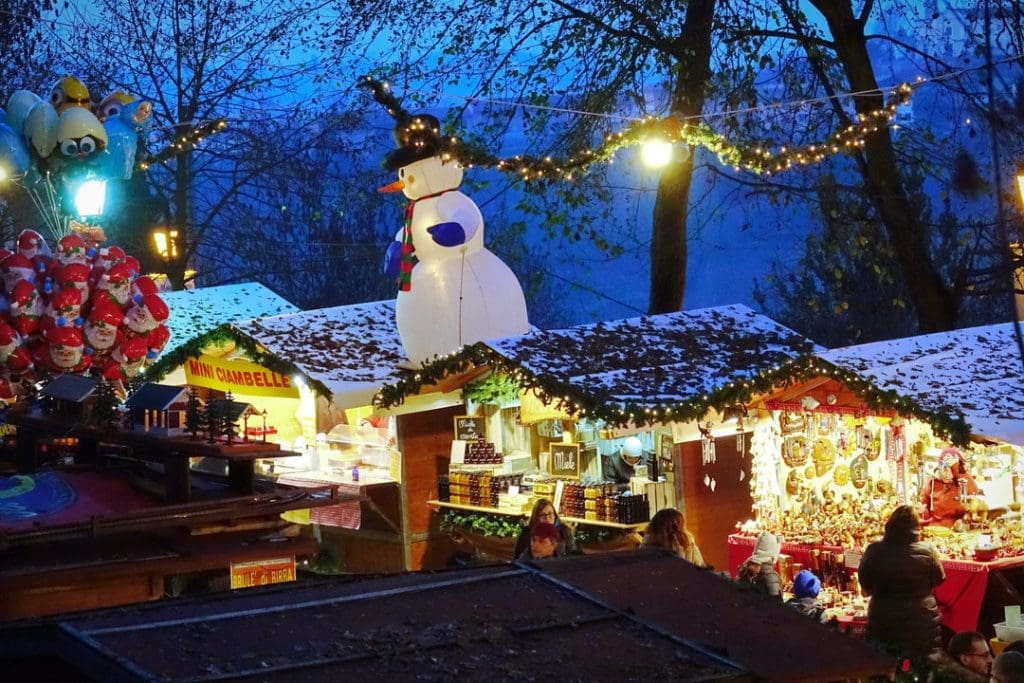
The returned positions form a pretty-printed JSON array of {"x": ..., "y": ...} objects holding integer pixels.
[
  {"x": 78, "y": 308},
  {"x": 51, "y": 147}
]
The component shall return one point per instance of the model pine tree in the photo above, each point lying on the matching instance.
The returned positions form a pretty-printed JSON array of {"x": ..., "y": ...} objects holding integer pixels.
[
  {"x": 210, "y": 420},
  {"x": 228, "y": 427},
  {"x": 193, "y": 414},
  {"x": 104, "y": 408}
]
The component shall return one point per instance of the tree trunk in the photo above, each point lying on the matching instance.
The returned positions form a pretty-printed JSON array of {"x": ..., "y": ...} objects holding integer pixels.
[
  {"x": 671, "y": 205},
  {"x": 934, "y": 302},
  {"x": 182, "y": 219}
]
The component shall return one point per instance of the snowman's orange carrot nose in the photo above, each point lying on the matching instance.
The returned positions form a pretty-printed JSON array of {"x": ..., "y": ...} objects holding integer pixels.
[{"x": 393, "y": 187}]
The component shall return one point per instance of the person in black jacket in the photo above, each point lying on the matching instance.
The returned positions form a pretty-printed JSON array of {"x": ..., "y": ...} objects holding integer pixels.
[
  {"x": 899, "y": 573},
  {"x": 806, "y": 587}
]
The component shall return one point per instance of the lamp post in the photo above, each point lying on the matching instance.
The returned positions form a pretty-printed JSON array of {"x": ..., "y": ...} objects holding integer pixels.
[{"x": 165, "y": 241}]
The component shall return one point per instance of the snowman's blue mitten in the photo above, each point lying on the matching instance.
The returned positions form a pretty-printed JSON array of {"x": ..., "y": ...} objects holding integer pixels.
[
  {"x": 393, "y": 259},
  {"x": 448, "y": 234}
]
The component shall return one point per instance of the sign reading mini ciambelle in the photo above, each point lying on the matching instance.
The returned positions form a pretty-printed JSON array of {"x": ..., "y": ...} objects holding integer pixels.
[{"x": 238, "y": 377}]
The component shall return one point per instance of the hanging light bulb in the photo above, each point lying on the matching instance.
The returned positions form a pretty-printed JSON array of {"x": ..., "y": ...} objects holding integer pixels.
[{"x": 656, "y": 153}]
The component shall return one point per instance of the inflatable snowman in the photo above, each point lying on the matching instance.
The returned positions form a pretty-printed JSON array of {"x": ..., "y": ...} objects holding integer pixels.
[{"x": 452, "y": 290}]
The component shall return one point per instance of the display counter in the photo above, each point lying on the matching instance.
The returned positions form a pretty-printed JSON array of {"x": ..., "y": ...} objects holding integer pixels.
[
  {"x": 370, "y": 494},
  {"x": 970, "y": 599}
]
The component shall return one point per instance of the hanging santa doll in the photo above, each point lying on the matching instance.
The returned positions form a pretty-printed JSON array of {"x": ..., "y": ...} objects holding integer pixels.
[
  {"x": 144, "y": 316},
  {"x": 65, "y": 308},
  {"x": 72, "y": 249},
  {"x": 116, "y": 283},
  {"x": 126, "y": 361},
  {"x": 16, "y": 268},
  {"x": 26, "y": 308},
  {"x": 103, "y": 330},
  {"x": 9, "y": 341},
  {"x": 63, "y": 351},
  {"x": 32, "y": 244}
]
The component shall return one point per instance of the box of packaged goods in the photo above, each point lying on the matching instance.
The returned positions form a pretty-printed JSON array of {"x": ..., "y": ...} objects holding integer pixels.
[
  {"x": 482, "y": 453},
  {"x": 660, "y": 494},
  {"x": 475, "y": 488},
  {"x": 518, "y": 463}
]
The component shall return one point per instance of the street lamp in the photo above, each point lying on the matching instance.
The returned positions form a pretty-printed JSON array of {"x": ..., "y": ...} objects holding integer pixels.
[
  {"x": 90, "y": 197},
  {"x": 165, "y": 240}
]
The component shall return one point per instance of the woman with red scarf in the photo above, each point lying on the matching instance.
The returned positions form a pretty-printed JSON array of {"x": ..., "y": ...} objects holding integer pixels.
[{"x": 941, "y": 495}]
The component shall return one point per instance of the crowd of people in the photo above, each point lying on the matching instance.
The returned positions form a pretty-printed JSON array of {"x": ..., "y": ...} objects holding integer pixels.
[{"x": 898, "y": 572}]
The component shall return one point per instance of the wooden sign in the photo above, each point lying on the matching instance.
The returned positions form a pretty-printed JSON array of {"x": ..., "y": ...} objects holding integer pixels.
[
  {"x": 470, "y": 427},
  {"x": 262, "y": 572},
  {"x": 565, "y": 460},
  {"x": 666, "y": 446}
]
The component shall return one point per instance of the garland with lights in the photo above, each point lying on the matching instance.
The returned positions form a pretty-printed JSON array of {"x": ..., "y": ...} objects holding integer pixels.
[
  {"x": 228, "y": 333},
  {"x": 759, "y": 159},
  {"x": 569, "y": 399},
  {"x": 184, "y": 143}
]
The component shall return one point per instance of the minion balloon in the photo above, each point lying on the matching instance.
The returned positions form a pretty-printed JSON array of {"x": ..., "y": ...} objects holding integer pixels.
[{"x": 69, "y": 92}]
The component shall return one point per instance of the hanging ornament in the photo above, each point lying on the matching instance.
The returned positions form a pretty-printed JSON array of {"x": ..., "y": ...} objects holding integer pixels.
[{"x": 707, "y": 442}]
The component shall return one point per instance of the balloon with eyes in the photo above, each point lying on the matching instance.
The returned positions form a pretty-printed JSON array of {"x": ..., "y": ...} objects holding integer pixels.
[
  {"x": 124, "y": 125},
  {"x": 69, "y": 93},
  {"x": 452, "y": 290},
  {"x": 80, "y": 137}
]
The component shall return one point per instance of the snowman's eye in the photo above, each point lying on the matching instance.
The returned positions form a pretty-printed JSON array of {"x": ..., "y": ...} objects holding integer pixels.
[{"x": 69, "y": 148}]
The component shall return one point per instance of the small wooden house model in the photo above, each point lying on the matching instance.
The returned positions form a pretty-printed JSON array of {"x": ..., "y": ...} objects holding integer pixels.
[{"x": 157, "y": 409}]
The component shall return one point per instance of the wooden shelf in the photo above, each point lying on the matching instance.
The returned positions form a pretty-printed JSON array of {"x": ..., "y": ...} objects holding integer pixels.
[
  {"x": 473, "y": 508},
  {"x": 611, "y": 525}
]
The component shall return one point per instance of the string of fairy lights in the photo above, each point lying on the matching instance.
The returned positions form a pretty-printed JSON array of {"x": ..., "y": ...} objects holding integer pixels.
[
  {"x": 759, "y": 159},
  {"x": 184, "y": 142},
  {"x": 575, "y": 402}
]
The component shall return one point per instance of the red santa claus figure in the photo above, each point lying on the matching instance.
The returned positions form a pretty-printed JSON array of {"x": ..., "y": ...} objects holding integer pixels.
[
  {"x": 156, "y": 341},
  {"x": 72, "y": 249},
  {"x": 4, "y": 253},
  {"x": 65, "y": 308},
  {"x": 26, "y": 308},
  {"x": 108, "y": 256},
  {"x": 65, "y": 351},
  {"x": 9, "y": 341},
  {"x": 19, "y": 363},
  {"x": 16, "y": 268},
  {"x": 117, "y": 282},
  {"x": 143, "y": 286},
  {"x": 133, "y": 264},
  {"x": 144, "y": 316},
  {"x": 102, "y": 329},
  {"x": 126, "y": 360},
  {"x": 32, "y": 244},
  {"x": 73, "y": 275}
]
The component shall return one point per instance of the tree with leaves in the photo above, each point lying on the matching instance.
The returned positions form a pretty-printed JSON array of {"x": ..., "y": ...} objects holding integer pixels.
[
  {"x": 105, "y": 403},
  {"x": 228, "y": 427},
  {"x": 211, "y": 420}
]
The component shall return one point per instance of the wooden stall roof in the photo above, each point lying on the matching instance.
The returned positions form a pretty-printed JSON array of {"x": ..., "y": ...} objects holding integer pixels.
[
  {"x": 975, "y": 372},
  {"x": 71, "y": 388},
  {"x": 634, "y": 616},
  {"x": 194, "y": 312},
  {"x": 152, "y": 396}
]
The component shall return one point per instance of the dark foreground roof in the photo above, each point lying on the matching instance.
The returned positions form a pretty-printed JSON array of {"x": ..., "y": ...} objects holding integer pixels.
[
  {"x": 632, "y": 616},
  {"x": 69, "y": 388},
  {"x": 151, "y": 396}
]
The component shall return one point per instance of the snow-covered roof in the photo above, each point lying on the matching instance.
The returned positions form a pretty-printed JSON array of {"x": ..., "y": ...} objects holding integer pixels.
[
  {"x": 352, "y": 350},
  {"x": 657, "y": 359},
  {"x": 975, "y": 371},
  {"x": 194, "y": 312}
]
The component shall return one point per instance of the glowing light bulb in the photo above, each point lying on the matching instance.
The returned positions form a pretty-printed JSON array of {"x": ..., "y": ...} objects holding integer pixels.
[{"x": 656, "y": 153}]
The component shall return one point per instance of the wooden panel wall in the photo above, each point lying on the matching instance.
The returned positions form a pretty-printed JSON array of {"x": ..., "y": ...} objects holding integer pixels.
[
  {"x": 712, "y": 515},
  {"x": 425, "y": 439}
]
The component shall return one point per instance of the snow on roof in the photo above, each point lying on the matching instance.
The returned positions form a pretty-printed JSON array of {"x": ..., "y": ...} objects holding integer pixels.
[
  {"x": 353, "y": 350},
  {"x": 659, "y": 358},
  {"x": 194, "y": 312},
  {"x": 975, "y": 371}
]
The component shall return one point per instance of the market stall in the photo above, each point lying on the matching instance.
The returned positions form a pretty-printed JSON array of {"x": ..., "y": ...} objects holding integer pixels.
[
  {"x": 828, "y": 467},
  {"x": 599, "y": 416}
]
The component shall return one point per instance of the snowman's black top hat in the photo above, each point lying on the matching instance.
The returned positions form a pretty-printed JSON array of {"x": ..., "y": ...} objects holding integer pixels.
[{"x": 418, "y": 136}]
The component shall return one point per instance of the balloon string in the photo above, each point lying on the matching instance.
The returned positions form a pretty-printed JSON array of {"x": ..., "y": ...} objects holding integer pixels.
[{"x": 462, "y": 282}]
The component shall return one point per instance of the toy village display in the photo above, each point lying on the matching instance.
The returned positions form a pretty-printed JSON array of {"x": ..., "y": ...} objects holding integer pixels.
[{"x": 826, "y": 480}]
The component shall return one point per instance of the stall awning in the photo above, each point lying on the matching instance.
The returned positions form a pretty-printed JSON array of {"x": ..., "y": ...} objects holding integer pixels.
[{"x": 71, "y": 388}]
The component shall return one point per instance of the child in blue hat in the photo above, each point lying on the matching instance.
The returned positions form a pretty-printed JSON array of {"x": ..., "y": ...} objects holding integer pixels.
[{"x": 806, "y": 587}]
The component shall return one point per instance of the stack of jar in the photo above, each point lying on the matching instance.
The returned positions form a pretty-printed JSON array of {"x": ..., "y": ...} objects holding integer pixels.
[{"x": 475, "y": 488}]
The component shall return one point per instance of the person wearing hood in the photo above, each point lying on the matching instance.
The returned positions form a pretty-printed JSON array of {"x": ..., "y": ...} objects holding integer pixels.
[
  {"x": 967, "y": 659},
  {"x": 806, "y": 587},
  {"x": 758, "y": 572},
  {"x": 899, "y": 573}
]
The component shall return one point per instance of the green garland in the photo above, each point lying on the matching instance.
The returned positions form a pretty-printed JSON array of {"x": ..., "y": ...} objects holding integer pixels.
[
  {"x": 625, "y": 413},
  {"x": 184, "y": 144},
  {"x": 495, "y": 389},
  {"x": 757, "y": 158},
  {"x": 498, "y": 526},
  {"x": 193, "y": 348}
]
